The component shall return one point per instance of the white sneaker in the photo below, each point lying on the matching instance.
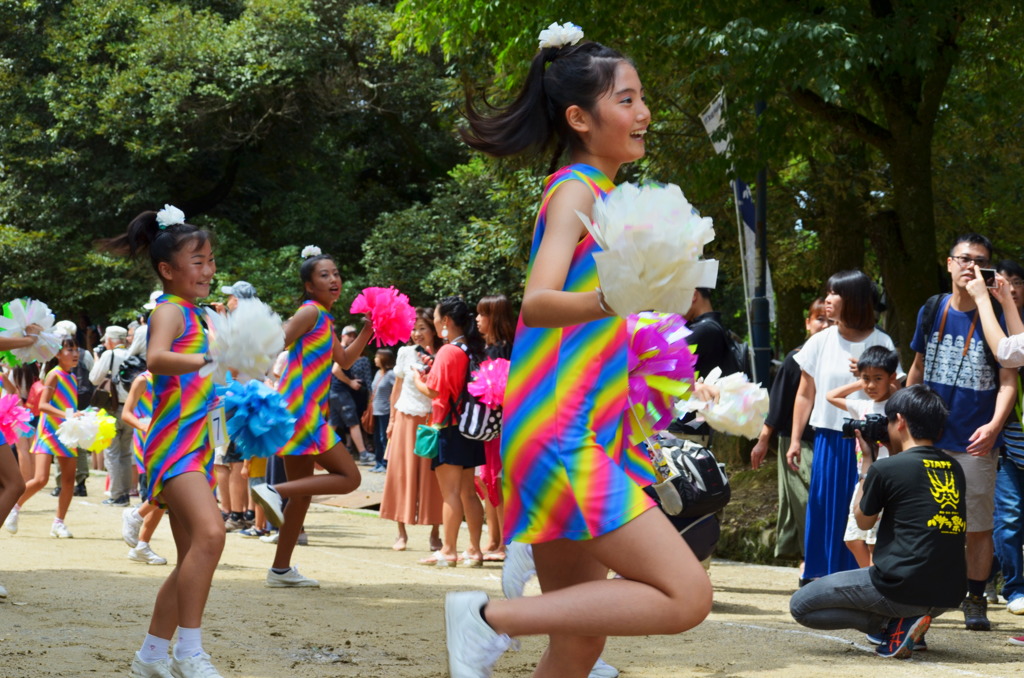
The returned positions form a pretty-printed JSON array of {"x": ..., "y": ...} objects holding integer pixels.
[
  {"x": 144, "y": 554},
  {"x": 198, "y": 666},
  {"x": 160, "y": 669},
  {"x": 290, "y": 579},
  {"x": 473, "y": 646},
  {"x": 131, "y": 524},
  {"x": 1016, "y": 606},
  {"x": 11, "y": 524},
  {"x": 60, "y": 531},
  {"x": 270, "y": 500},
  {"x": 3, "y": 591},
  {"x": 517, "y": 569},
  {"x": 603, "y": 669},
  {"x": 270, "y": 538}
]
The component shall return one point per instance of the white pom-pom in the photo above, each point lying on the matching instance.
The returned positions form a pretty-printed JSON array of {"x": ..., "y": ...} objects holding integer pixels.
[
  {"x": 79, "y": 431},
  {"x": 169, "y": 216},
  {"x": 741, "y": 406},
  {"x": 560, "y": 36},
  {"x": 25, "y": 312},
  {"x": 311, "y": 251},
  {"x": 652, "y": 240},
  {"x": 244, "y": 342}
]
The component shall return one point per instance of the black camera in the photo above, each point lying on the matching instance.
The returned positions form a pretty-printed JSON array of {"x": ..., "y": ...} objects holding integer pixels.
[{"x": 874, "y": 428}]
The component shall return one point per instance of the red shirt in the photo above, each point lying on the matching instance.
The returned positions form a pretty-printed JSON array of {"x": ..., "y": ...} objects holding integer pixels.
[{"x": 447, "y": 376}]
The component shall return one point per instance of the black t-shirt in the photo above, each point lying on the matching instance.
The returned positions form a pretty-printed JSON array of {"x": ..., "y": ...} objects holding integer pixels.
[
  {"x": 782, "y": 397},
  {"x": 919, "y": 555},
  {"x": 712, "y": 345}
]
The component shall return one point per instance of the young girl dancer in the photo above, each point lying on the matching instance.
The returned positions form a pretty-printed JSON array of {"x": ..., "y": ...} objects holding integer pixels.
[
  {"x": 312, "y": 347},
  {"x": 11, "y": 482},
  {"x": 572, "y": 488},
  {"x": 60, "y": 394},
  {"x": 139, "y": 522},
  {"x": 178, "y": 452}
]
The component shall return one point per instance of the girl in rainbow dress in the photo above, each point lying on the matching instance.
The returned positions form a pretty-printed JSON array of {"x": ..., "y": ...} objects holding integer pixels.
[
  {"x": 305, "y": 382},
  {"x": 139, "y": 522},
  {"x": 178, "y": 450},
  {"x": 572, "y": 485},
  {"x": 60, "y": 396}
]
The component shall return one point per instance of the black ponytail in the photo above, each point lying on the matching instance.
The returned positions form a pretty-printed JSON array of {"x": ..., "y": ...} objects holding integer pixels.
[
  {"x": 559, "y": 77},
  {"x": 458, "y": 310},
  {"x": 144, "y": 234}
]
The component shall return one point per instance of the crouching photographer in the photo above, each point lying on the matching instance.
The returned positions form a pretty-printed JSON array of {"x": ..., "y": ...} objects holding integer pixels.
[{"x": 919, "y": 569}]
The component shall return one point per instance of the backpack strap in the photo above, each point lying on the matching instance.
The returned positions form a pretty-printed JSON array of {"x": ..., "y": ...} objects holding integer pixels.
[{"x": 931, "y": 313}]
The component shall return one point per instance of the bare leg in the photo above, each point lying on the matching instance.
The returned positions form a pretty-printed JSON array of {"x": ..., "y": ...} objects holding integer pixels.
[
  {"x": 979, "y": 555},
  {"x": 12, "y": 485},
  {"x": 195, "y": 521},
  {"x": 67, "y": 484},
  {"x": 663, "y": 589},
  {"x": 342, "y": 477},
  {"x": 859, "y": 549},
  {"x": 238, "y": 487},
  {"x": 357, "y": 438},
  {"x": 403, "y": 538},
  {"x": 222, "y": 474},
  {"x": 151, "y": 515},
  {"x": 26, "y": 459},
  {"x": 450, "y": 479},
  {"x": 435, "y": 538},
  {"x": 474, "y": 512},
  {"x": 39, "y": 478}
]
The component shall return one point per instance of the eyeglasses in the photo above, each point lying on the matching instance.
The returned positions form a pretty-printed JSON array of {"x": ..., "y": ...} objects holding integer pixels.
[
  {"x": 966, "y": 261},
  {"x": 1017, "y": 282}
]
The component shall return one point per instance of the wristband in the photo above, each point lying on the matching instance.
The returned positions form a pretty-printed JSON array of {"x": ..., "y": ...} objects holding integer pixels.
[
  {"x": 602, "y": 303},
  {"x": 207, "y": 359}
]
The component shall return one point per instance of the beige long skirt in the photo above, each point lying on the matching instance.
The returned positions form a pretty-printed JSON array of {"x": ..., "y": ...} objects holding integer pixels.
[{"x": 411, "y": 493}]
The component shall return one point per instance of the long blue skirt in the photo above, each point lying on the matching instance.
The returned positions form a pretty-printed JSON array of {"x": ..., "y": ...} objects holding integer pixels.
[{"x": 833, "y": 477}]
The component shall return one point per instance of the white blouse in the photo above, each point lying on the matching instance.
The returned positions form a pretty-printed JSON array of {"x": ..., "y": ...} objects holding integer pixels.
[{"x": 410, "y": 400}]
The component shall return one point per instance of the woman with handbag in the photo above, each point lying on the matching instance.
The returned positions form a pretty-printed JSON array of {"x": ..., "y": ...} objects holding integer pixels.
[
  {"x": 457, "y": 456},
  {"x": 411, "y": 493}
]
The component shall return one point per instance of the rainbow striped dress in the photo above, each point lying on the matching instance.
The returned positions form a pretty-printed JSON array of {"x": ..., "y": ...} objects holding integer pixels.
[
  {"x": 178, "y": 440},
  {"x": 65, "y": 397},
  {"x": 142, "y": 410},
  {"x": 568, "y": 470},
  {"x": 305, "y": 384}
]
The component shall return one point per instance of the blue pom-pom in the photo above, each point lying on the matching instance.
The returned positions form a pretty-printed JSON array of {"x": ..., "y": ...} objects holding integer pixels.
[{"x": 259, "y": 423}]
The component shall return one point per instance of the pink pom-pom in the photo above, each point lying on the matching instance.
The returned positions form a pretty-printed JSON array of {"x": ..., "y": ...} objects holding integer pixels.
[
  {"x": 489, "y": 381},
  {"x": 661, "y": 369},
  {"x": 390, "y": 313},
  {"x": 14, "y": 418}
]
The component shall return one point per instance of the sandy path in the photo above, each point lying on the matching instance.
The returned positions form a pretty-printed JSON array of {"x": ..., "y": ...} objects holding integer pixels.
[{"x": 79, "y": 608}]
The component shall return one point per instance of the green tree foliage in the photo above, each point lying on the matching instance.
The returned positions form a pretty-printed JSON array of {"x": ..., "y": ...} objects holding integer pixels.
[{"x": 279, "y": 122}]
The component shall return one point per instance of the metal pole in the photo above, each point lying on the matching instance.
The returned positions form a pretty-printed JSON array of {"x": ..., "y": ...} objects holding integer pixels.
[{"x": 760, "y": 323}]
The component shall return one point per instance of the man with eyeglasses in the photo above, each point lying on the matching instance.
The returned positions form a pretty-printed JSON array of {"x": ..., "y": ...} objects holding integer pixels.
[{"x": 954, "y": 360}]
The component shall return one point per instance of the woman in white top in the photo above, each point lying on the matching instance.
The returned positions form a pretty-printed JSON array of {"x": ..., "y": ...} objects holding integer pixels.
[
  {"x": 827, "y": 361},
  {"x": 411, "y": 493}
]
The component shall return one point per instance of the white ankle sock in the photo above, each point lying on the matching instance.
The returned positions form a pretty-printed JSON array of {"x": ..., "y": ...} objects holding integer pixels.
[
  {"x": 142, "y": 545},
  {"x": 58, "y": 521},
  {"x": 190, "y": 643},
  {"x": 154, "y": 649}
]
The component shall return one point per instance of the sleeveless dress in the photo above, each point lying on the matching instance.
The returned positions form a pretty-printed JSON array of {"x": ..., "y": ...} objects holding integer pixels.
[
  {"x": 178, "y": 440},
  {"x": 65, "y": 397},
  {"x": 143, "y": 409},
  {"x": 305, "y": 384},
  {"x": 568, "y": 470}
]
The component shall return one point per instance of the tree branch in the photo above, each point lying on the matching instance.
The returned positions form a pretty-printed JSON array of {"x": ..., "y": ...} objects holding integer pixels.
[{"x": 864, "y": 129}]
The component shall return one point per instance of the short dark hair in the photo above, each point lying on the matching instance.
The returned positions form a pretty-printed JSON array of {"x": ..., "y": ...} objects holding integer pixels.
[
  {"x": 879, "y": 357},
  {"x": 857, "y": 291},
  {"x": 972, "y": 239},
  {"x": 704, "y": 292},
  {"x": 922, "y": 408},
  {"x": 1010, "y": 267}
]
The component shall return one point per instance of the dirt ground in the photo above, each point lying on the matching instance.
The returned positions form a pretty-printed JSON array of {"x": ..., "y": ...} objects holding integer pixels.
[{"x": 80, "y": 608}]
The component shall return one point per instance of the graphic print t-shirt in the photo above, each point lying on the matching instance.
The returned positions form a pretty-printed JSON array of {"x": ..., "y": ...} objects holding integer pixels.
[
  {"x": 919, "y": 555},
  {"x": 964, "y": 379}
]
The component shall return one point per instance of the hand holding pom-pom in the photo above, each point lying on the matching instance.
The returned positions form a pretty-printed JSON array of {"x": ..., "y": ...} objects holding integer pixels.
[
  {"x": 243, "y": 342},
  {"x": 740, "y": 407},
  {"x": 29, "y": 316},
  {"x": 14, "y": 419},
  {"x": 652, "y": 241},
  {"x": 390, "y": 313},
  {"x": 489, "y": 382},
  {"x": 82, "y": 429}
]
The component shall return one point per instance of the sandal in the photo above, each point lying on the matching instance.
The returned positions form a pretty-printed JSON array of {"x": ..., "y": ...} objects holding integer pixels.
[
  {"x": 438, "y": 559},
  {"x": 494, "y": 557},
  {"x": 399, "y": 544},
  {"x": 470, "y": 561}
]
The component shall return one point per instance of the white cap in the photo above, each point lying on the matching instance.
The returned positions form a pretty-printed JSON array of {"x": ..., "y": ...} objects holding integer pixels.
[{"x": 153, "y": 296}]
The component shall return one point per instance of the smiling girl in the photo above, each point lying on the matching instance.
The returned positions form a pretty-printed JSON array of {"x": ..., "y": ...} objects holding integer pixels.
[
  {"x": 178, "y": 450},
  {"x": 312, "y": 349},
  {"x": 573, "y": 488}
]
